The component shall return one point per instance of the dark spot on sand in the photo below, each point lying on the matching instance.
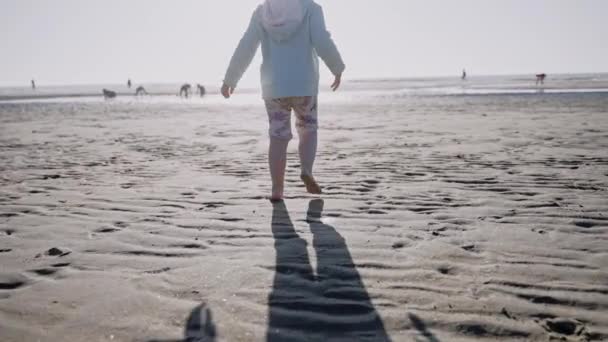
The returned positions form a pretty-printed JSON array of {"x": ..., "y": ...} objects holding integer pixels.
[
  {"x": 54, "y": 251},
  {"x": 5, "y": 250},
  {"x": 544, "y": 299},
  {"x": 506, "y": 313},
  {"x": 376, "y": 212},
  {"x": 584, "y": 224},
  {"x": 445, "y": 270},
  {"x": 472, "y": 329},
  {"x": 561, "y": 326},
  {"x": 37, "y": 192},
  {"x": 333, "y": 215},
  {"x": 153, "y": 254},
  {"x": 543, "y": 316},
  {"x": 45, "y": 271},
  {"x": 57, "y": 252},
  {"x": 162, "y": 270},
  {"x": 11, "y": 285},
  {"x": 413, "y": 174},
  {"x": 63, "y": 264},
  {"x": 127, "y": 185},
  {"x": 190, "y": 246},
  {"x": 214, "y": 205},
  {"x": 106, "y": 230},
  {"x": 469, "y": 248},
  {"x": 230, "y": 219},
  {"x": 398, "y": 245},
  {"x": 45, "y": 177},
  {"x": 8, "y": 214}
]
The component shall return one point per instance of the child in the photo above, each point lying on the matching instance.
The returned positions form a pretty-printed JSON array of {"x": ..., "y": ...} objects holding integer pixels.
[{"x": 292, "y": 34}]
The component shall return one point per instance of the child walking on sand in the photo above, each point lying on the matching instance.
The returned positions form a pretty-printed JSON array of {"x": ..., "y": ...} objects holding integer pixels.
[{"x": 293, "y": 35}]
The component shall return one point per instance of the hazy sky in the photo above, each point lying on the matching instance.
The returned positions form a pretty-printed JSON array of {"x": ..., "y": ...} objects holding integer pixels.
[{"x": 86, "y": 41}]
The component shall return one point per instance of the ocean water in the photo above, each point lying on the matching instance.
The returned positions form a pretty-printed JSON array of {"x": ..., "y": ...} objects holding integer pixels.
[{"x": 352, "y": 90}]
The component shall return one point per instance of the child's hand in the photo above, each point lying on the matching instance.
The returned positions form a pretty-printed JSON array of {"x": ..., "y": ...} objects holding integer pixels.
[
  {"x": 337, "y": 82},
  {"x": 227, "y": 91}
]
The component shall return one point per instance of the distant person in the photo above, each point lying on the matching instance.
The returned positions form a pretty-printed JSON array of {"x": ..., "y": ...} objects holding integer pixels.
[
  {"x": 540, "y": 79},
  {"x": 464, "y": 75},
  {"x": 108, "y": 94},
  {"x": 292, "y": 33},
  {"x": 140, "y": 91},
  {"x": 184, "y": 91},
  {"x": 129, "y": 83},
  {"x": 33, "y": 85},
  {"x": 201, "y": 90}
]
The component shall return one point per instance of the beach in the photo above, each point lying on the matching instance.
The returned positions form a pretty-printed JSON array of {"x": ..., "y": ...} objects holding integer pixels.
[{"x": 449, "y": 214}]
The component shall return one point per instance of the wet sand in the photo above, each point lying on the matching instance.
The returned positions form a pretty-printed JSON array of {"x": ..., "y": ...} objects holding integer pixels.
[{"x": 443, "y": 219}]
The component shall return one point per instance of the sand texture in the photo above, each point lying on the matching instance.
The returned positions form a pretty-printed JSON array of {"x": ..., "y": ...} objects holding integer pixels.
[{"x": 448, "y": 218}]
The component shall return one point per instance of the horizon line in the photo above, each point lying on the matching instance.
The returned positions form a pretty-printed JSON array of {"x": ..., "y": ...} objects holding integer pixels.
[{"x": 357, "y": 79}]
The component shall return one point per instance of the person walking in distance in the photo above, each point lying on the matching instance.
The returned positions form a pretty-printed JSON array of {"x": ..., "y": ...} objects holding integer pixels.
[{"x": 293, "y": 35}]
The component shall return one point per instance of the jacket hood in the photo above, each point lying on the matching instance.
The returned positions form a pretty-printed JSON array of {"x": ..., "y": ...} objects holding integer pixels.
[{"x": 282, "y": 18}]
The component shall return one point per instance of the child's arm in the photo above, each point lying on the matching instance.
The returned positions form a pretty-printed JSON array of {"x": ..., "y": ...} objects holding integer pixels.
[
  {"x": 243, "y": 55},
  {"x": 323, "y": 44}
]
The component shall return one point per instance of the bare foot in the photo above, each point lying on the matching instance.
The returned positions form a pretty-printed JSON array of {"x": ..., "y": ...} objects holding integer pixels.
[
  {"x": 311, "y": 185},
  {"x": 276, "y": 194}
]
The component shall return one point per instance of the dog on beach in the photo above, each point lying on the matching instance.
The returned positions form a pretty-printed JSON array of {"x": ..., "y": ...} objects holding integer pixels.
[
  {"x": 184, "y": 91},
  {"x": 140, "y": 91},
  {"x": 540, "y": 78},
  {"x": 109, "y": 94}
]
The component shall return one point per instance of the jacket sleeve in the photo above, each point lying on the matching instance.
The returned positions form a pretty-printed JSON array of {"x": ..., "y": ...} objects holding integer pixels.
[
  {"x": 243, "y": 55},
  {"x": 323, "y": 44}
]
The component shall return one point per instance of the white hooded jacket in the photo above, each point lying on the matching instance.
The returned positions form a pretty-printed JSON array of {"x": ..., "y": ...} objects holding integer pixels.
[{"x": 293, "y": 35}]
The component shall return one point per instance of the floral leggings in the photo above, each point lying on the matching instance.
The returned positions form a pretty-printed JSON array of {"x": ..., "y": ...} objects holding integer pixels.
[{"x": 279, "y": 118}]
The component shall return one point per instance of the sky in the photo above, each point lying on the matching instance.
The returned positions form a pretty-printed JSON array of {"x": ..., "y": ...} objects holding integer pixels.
[{"x": 91, "y": 42}]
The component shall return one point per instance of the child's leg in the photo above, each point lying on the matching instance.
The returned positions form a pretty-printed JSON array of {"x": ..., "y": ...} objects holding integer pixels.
[
  {"x": 307, "y": 150},
  {"x": 277, "y": 161},
  {"x": 306, "y": 114},
  {"x": 279, "y": 117}
]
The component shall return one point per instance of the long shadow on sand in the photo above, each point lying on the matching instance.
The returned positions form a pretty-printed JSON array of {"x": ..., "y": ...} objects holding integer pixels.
[{"x": 332, "y": 305}]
